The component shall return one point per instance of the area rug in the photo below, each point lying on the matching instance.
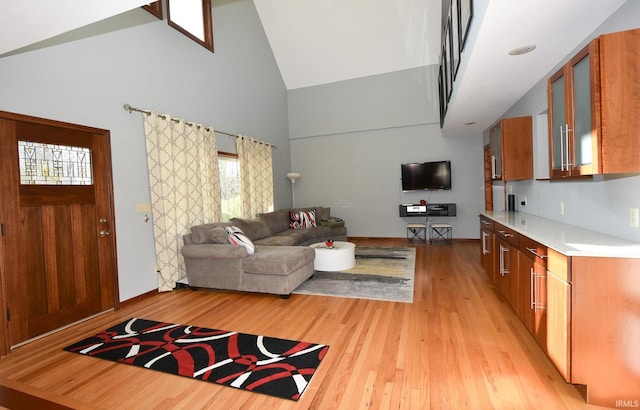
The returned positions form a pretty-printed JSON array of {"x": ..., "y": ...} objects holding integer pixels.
[
  {"x": 380, "y": 274},
  {"x": 277, "y": 367}
]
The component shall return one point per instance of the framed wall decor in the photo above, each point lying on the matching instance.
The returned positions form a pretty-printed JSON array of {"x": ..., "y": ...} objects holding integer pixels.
[
  {"x": 447, "y": 53},
  {"x": 465, "y": 11},
  {"x": 454, "y": 21},
  {"x": 441, "y": 99}
]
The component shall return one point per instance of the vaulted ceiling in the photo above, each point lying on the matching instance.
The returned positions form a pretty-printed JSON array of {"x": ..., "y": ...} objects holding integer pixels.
[{"x": 322, "y": 41}]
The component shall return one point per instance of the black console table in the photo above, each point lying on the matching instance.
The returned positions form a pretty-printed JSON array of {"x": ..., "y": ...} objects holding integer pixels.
[
  {"x": 408, "y": 210},
  {"x": 419, "y": 230}
]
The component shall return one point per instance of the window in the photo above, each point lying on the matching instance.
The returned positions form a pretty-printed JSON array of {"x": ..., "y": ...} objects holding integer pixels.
[
  {"x": 154, "y": 8},
  {"x": 50, "y": 164},
  {"x": 193, "y": 19},
  {"x": 229, "y": 185}
]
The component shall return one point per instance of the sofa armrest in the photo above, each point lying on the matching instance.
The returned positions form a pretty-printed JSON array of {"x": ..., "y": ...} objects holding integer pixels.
[{"x": 219, "y": 251}]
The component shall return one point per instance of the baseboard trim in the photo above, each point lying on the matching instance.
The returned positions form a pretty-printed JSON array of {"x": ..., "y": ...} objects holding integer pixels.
[{"x": 138, "y": 298}]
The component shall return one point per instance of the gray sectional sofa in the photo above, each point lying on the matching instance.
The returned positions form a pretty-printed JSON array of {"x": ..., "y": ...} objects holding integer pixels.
[{"x": 281, "y": 261}]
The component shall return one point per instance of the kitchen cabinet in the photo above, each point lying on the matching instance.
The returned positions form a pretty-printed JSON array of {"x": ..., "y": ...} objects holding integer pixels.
[
  {"x": 487, "y": 240},
  {"x": 593, "y": 108},
  {"x": 532, "y": 288},
  {"x": 511, "y": 145},
  {"x": 559, "y": 312},
  {"x": 506, "y": 263},
  {"x": 580, "y": 305}
]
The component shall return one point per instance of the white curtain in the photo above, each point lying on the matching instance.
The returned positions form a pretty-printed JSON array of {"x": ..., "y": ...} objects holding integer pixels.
[
  {"x": 256, "y": 176},
  {"x": 185, "y": 187}
]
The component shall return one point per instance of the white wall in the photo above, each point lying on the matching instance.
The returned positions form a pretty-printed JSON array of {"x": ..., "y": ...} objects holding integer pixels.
[
  {"x": 601, "y": 204},
  {"x": 152, "y": 66},
  {"x": 349, "y": 138}
]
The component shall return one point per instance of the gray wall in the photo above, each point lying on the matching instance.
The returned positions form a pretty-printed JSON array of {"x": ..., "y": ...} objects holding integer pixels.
[
  {"x": 601, "y": 204},
  {"x": 349, "y": 138},
  {"x": 152, "y": 66}
]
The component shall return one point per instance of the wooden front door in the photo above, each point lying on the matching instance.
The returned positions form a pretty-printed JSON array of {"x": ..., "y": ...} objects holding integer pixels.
[{"x": 58, "y": 260}]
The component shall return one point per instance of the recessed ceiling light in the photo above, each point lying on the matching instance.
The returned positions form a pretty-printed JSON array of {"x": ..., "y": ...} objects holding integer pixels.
[
  {"x": 469, "y": 123},
  {"x": 522, "y": 50}
]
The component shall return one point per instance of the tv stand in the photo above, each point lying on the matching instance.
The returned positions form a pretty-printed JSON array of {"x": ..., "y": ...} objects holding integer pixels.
[{"x": 409, "y": 210}]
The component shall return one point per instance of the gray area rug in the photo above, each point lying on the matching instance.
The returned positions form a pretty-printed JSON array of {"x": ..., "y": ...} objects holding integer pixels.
[{"x": 380, "y": 274}]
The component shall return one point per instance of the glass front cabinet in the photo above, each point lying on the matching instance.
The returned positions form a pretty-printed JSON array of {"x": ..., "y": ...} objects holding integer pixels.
[
  {"x": 593, "y": 106},
  {"x": 574, "y": 115}
]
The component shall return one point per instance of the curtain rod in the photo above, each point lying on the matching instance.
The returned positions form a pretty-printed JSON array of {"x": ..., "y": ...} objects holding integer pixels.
[{"x": 129, "y": 108}]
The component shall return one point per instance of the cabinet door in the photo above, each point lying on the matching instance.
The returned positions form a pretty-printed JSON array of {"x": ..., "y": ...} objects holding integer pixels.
[
  {"x": 487, "y": 250},
  {"x": 574, "y": 115},
  {"x": 526, "y": 292},
  {"x": 506, "y": 271},
  {"x": 558, "y": 124},
  {"x": 559, "y": 324},
  {"x": 495, "y": 138},
  {"x": 584, "y": 127},
  {"x": 540, "y": 305}
]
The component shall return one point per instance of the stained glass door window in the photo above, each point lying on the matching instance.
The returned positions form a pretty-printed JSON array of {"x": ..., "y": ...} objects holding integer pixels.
[{"x": 50, "y": 164}]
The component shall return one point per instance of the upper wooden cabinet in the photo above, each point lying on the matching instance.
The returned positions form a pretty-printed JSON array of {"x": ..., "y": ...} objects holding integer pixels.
[
  {"x": 511, "y": 141},
  {"x": 594, "y": 109}
]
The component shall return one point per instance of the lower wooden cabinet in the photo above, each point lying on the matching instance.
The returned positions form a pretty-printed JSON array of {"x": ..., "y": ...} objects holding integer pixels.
[
  {"x": 532, "y": 289},
  {"x": 584, "y": 312},
  {"x": 559, "y": 312}
]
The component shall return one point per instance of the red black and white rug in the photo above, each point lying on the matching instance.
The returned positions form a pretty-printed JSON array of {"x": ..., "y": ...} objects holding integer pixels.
[{"x": 277, "y": 367}]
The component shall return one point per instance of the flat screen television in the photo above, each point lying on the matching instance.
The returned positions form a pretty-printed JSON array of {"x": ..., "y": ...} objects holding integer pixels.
[{"x": 430, "y": 176}]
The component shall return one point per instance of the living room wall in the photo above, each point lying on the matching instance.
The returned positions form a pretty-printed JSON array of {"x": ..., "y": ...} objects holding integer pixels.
[
  {"x": 349, "y": 138},
  {"x": 86, "y": 76},
  {"x": 600, "y": 204}
]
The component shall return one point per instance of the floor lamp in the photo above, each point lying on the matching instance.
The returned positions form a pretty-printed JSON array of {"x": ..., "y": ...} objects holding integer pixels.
[{"x": 293, "y": 176}]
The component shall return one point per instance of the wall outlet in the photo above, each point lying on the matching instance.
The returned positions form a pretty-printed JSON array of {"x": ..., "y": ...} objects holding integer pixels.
[
  {"x": 561, "y": 208},
  {"x": 633, "y": 218},
  {"x": 523, "y": 201}
]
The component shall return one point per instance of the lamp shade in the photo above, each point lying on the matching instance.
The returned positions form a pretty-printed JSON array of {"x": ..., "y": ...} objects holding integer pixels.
[{"x": 293, "y": 176}]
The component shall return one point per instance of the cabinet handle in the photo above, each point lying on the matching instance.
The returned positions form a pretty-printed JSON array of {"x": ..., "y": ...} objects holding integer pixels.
[
  {"x": 493, "y": 166},
  {"x": 505, "y": 234},
  {"x": 503, "y": 269},
  {"x": 484, "y": 243},
  {"x": 534, "y": 293},
  {"x": 533, "y": 251},
  {"x": 561, "y": 148},
  {"x": 566, "y": 137}
]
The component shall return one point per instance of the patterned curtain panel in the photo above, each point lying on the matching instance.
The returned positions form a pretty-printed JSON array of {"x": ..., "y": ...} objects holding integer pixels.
[
  {"x": 185, "y": 187},
  {"x": 256, "y": 176}
]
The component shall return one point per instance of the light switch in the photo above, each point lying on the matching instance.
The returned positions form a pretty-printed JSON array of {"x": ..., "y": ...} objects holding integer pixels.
[{"x": 146, "y": 207}]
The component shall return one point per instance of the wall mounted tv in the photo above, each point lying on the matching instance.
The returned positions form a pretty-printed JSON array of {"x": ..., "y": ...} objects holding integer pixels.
[{"x": 430, "y": 176}]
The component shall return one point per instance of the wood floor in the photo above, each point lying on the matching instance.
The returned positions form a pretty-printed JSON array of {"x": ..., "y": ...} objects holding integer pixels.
[{"x": 458, "y": 345}]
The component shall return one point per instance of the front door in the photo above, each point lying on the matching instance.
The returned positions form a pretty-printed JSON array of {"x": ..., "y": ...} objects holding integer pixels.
[{"x": 58, "y": 243}]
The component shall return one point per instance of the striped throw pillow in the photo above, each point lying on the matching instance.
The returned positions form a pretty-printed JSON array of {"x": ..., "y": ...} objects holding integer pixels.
[
  {"x": 238, "y": 238},
  {"x": 302, "y": 219}
]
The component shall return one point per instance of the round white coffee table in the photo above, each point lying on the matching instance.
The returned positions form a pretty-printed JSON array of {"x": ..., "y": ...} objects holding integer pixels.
[{"x": 341, "y": 256}]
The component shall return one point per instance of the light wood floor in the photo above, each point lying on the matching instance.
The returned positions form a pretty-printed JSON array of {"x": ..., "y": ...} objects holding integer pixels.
[{"x": 458, "y": 345}]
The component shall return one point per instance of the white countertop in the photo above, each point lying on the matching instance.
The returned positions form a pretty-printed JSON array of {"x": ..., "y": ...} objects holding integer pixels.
[{"x": 567, "y": 239}]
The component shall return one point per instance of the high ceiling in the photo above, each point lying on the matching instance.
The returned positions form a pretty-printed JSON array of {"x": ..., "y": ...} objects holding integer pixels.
[{"x": 322, "y": 41}]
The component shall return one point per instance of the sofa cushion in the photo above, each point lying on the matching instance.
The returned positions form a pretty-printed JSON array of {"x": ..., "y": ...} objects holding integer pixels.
[
  {"x": 302, "y": 219},
  {"x": 200, "y": 233},
  {"x": 218, "y": 235},
  {"x": 237, "y": 237},
  {"x": 253, "y": 228},
  {"x": 277, "y": 221},
  {"x": 288, "y": 237},
  {"x": 322, "y": 213},
  {"x": 278, "y": 260}
]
